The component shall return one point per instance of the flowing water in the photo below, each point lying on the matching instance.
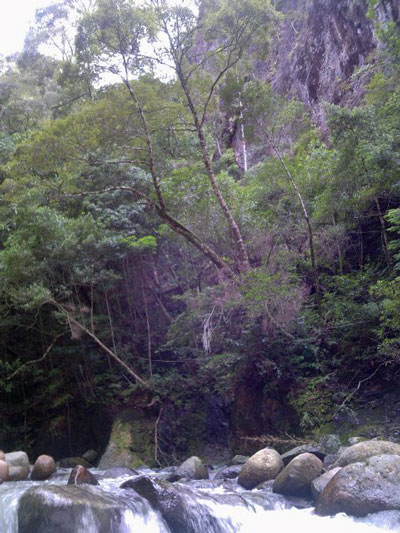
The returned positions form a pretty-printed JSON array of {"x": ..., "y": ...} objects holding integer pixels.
[{"x": 209, "y": 507}]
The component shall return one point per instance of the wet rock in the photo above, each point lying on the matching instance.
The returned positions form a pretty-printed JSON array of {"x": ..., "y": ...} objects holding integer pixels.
[
  {"x": 362, "y": 451},
  {"x": 81, "y": 476},
  {"x": 262, "y": 466},
  {"x": 304, "y": 448},
  {"x": 192, "y": 468},
  {"x": 295, "y": 479},
  {"x": 4, "y": 471},
  {"x": 228, "y": 472},
  {"x": 71, "y": 462},
  {"x": 43, "y": 468},
  {"x": 239, "y": 460},
  {"x": 146, "y": 487},
  {"x": 318, "y": 484},
  {"x": 62, "y": 509},
  {"x": 186, "y": 512},
  {"x": 90, "y": 456},
  {"x": 330, "y": 443},
  {"x": 19, "y": 473},
  {"x": 362, "y": 488},
  {"x": 17, "y": 459}
]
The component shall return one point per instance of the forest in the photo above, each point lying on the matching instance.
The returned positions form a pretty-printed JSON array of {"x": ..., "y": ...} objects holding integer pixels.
[{"x": 187, "y": 235}]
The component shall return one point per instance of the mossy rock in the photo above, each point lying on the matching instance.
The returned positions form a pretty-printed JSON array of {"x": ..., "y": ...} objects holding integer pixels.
[{"x": 131, "y": 441}]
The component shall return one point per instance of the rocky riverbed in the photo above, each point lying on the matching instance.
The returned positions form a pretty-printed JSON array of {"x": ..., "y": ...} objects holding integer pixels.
[{"x": 361, "y": 480}]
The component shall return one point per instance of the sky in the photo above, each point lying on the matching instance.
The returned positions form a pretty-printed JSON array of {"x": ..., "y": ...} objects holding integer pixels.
[{"x": 15, "y": 19}]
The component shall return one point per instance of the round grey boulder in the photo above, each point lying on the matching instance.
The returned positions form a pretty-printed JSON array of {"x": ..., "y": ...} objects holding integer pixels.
[
  {"x": 43, "y": 468},
  {"x": 359, "y": 489},
  {"x": 19, "y": 473},
  {"x": 192, "y": 468},
  {"x": 262, "y": 466},
  {"x": 4, "y": 471},
  {"x": 17, "y": 459},
  {"x": 295, "y": 479},
  {"x": 362, "y": 451}
]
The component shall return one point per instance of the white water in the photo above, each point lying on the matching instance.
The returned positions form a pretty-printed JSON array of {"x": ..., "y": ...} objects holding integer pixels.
[{"x": 210, "y": 510}]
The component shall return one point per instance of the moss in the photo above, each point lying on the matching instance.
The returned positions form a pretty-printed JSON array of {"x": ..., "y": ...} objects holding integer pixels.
[{"x": 131, "y": 442}]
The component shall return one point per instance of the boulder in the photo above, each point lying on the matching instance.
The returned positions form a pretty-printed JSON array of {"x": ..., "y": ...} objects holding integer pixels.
[
  {"x": 318, "y": 484},
  {"x": 64, "y": 509},
  {"x": 228, "y": 472},
  {"x": 43, "y": 468},
  {"x": 192, "y": 468},
  {"x": 4, "y": 471},
  {"x": 262, "y": 466},
  {"x": 71, "y": 462},
  {"x": 304, "y": 448},
  {"x": 90, "y": 456},
  {"x": 17, "y": 459},
  {"x": 330, "y": 443},
  {"x": 81, "y": 476},
  {"x": 177, "y": 506},
  {"x": 362, "y": 451},
  {"x": 19, "y": 473},
  {"x": 362, "y": 488},
  {"x": 295, "y": 479}
]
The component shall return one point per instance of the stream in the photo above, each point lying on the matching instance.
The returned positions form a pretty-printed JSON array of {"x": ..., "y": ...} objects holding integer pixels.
[{"x": 204, "y": 506}]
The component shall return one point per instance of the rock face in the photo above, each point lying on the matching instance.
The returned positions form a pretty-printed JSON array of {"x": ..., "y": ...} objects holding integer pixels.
[
  {"x": 43, "y": 468},
  {"x": 295, "y": 479},
  {"x": 81, "y": 476},
  {"x": 4, "y": 471},
  {"x": 318, "y": 484},
  {"x": 319, "y": 49},
  {"x": 192, "y": 468},
  {"x": 62, "y": 509},
  {"x": 362, "y": 488},
  {"x": 262, "y": 466},
  {"x": 131, "y": 441},
  {"x": 17, "y": 459},
  {"x": 364, "y": 450}
]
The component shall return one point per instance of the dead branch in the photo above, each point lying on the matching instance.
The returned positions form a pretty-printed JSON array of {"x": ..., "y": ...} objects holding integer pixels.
[{"x": 42, "y": 358}]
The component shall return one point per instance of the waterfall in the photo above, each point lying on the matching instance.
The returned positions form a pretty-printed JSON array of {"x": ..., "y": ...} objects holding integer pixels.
[{"x": 206, "y": 507}]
